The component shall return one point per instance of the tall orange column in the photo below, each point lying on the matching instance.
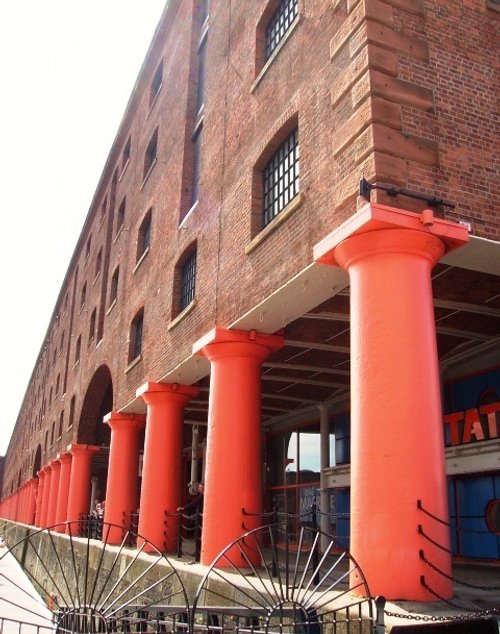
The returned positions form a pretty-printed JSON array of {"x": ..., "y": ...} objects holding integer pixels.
[
  {"x": 234, "y": 438},
  {"x": 46, "y": 495},
  {"x": 122, "y": 497},
  {"x": 397, "y": 449},
  {"x": 63, "y": 493},
  {"x": 54, "y": 489},
  {"x": 161, "y": 492},
  {"x": 79, "y": 482},
  {"x": 39, "y": 498}
]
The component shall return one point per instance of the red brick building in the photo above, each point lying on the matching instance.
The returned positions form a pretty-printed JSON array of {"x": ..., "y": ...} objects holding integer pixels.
[{"x": 232, "y": 291}]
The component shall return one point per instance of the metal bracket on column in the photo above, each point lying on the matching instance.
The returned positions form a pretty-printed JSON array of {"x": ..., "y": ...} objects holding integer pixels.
[{"x": 365, "y": 189}]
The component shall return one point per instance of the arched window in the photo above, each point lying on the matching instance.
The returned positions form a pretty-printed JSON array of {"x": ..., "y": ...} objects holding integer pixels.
[
  {"x": 144, "y": 235},
  {"x": 136, "y": 336},
  {"x": 113, "y": 289}
]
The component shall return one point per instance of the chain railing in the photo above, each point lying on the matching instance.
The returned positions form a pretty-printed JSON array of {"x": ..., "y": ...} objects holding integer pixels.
[{"x": 471, "y": 615}]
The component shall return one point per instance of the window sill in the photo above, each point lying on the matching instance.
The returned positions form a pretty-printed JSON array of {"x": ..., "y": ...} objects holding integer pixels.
[
  {"x": 283, "y": 215},
  {"x": 493, "y": 5},
  {"x": 112, "y": 305},
  {"x": 76, "y": 364},
  {"x": 120, "y": 229},
  {"x": 275, "y": 53},
  {"x": 154, "y": 100},
  {"x": 183, "y": 222},
  {"x": 182, "y": 315},
  {"x": 133, "y": 363},
  {"x": 140, "y": 260},
  {"x": 151, "y": 168},
  {"x": 124, "y": 169},
  {"x": 98, "y": 275},
  {"x": 98, "y": 344},
  {"x": 101, "y": 221}
]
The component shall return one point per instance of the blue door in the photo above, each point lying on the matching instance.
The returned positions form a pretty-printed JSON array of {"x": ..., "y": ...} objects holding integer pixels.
[{"x": 469, "y": 500}]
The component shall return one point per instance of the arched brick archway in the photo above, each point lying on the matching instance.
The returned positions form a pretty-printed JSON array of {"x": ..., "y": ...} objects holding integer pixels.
[{"x": 97, "y": 403}]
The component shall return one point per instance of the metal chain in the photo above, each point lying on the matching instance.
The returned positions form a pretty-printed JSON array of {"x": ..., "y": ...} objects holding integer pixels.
[
  {"x": 462, "y": 583},
  {"x": 448, "y": 617},
  {"x": 432, "y": 541},
  {"x": 455, "y": 528}
]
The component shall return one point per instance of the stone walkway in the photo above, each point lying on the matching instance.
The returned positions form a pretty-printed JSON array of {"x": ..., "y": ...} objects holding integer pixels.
[{"x": 19, "y": 602}]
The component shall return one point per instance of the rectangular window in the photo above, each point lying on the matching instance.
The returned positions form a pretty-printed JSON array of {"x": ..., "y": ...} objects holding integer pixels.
[
  {"x": 205, "y": 9},
  {"x": 83, "y": 295},
  {"x": 120, "y": 216},
  {"x": 151, "y": 153},
  {"x": 98, "y": 262},
  {"x": 92, "y": 326},
  {"x": 113, "y": 291},
  {"x": 136, "y": 336},
  {"x": 144, "y": 237},
  {"x": 188, "y": 278},
  {"x": 104, "y": 208},
  {"x": 72, "y": 406},
  {"x": 202, "y": 55},
  {"x": 279, "y": 24},
  {"x": 156, "y": 84},
  {"x": 87, "y": 248},
  {"x": 78, "y": 349},
  {"x": 280, "y": 178},
  {"x": 126, "y": 153}
]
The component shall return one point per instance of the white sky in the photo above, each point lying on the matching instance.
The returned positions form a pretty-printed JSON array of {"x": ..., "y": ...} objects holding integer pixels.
[{"x": 67, "y": 69}]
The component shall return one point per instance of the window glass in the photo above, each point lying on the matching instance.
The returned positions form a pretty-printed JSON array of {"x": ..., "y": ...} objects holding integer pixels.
[
  {"x": 156, "y": 84},
  {"x": 279, "y": 24},
  {"x": 188, "y": 279},
  {"x": 151, "y": 153},
  {"x": 280, "y": 182}
]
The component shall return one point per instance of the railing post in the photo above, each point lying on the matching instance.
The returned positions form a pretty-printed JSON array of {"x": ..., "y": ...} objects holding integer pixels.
[{"x": 380, "y": 616}]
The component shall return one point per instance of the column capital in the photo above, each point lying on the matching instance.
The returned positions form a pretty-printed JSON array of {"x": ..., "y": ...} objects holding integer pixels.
[
  {"x": 163, "y": 392},
  {"x": 243, "y": 342},
  {"x": 374, "y": 217},
  {"x": 123, "y": 419},
  {"x": 76, "y": 448},
  {"x": 64, "y": 456}
]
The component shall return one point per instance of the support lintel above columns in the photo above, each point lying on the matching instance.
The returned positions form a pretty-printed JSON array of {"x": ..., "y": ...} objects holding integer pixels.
[
  {"x": 375, "y": 217},
  {"x": 223, "y": 335}
]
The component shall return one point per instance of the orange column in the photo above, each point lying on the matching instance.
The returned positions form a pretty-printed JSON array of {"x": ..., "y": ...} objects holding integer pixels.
[
  {"x": 63, "y": 493},
  {"x": 233, "y": 461},
  {"x": 79, "y": 482},
  {"x": 39, "y": 498},
  {"x": 397, "y": 450},
  {"x": 31, "y": 506},
  {"x": 161, "y": 492},
  {"x": 123, "y": 473},
  {"x": 54, "y": 489},
  {"x": 46, "y": 495},
  {"x": 20, "y": 494}
]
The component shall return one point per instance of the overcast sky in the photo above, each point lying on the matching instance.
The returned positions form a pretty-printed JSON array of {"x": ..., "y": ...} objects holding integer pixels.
[{"x": 67, "y": 69}]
